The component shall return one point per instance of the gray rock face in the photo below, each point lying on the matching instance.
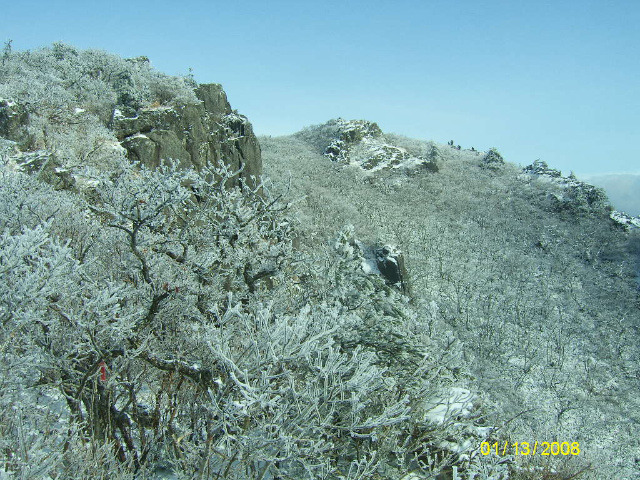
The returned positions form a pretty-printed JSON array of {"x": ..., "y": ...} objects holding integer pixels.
[
  {"x": 205, "y": 133},
  {"x": 391, "y": 265},
  {"x": 214, "y": 100},
  {"x": 196, "y": 135}
]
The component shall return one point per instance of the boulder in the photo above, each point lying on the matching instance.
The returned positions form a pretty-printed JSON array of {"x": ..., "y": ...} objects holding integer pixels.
[{"x": 390, "y": 263}]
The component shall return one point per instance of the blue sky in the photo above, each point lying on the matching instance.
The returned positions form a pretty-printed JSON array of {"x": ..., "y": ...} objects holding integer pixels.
[{"x": 559, "y": 81}]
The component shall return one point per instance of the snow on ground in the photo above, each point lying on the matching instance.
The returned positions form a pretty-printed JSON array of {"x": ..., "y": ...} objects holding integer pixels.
[
  {"x": 625, "y": 220},
  {"x": 458, "y": 403}
]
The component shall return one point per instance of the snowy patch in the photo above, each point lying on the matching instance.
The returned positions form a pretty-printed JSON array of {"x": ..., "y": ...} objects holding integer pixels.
[
  {"x": 86, "y": 183},
  {"x": 78, "y": 110},
  {"x": 158, "y": 108},
  {"x": 118, "y": 146},
  {"x": 369, "y": 266},
  {"x": 138, "y": 135},
  {"x": 459, "y": 403},
  {"x": 118, "y": 115},
  {"x": 374, "y": 154},
  {"x": 627, "y": 221},
  {"x": 235, "y": 117},
  {"x": 413, "y": 476}
]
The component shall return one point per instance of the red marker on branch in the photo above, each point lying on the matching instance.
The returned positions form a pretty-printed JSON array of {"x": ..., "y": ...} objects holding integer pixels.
[{"x": 103, "y": 371}]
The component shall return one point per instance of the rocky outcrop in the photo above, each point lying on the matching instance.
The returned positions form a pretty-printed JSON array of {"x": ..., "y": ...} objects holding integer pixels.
[
  {"x": 625, "y": 221},
  {"x": 541, "y": 168},
  {"x": 386, "y": 261},
  {"x": 362, "y": 143},
  {"x": 390, "y": 263},
  {"x": 568, "y": 194},
  {"x": 348, "y": 134},
  {"x": 196, "y": 135},
  {"x": 41, "y": 163}
]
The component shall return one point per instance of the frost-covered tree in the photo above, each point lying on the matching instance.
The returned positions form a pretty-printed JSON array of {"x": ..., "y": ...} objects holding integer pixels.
[
  {"x": 165, "y": 322},
  {"x": 6, "y": 51}
]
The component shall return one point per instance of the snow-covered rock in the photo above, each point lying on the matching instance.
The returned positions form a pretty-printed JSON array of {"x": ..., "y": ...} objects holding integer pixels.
[
  {"x": 386, "y": 261},
  {"x": 459, "y": 402},
  {"x": 628, "y": 222},
  {"x": 362, "y": 144},
  {"x": 568, "y": 194},
  {"x": 390, "y": 264}
]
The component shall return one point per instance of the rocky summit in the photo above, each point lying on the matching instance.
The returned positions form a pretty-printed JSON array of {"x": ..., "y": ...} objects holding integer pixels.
[{"x": 362, "y": 143}]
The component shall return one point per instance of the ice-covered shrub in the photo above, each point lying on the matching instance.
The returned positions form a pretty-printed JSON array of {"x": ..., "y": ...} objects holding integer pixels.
[{"x": 159, "y": 322}]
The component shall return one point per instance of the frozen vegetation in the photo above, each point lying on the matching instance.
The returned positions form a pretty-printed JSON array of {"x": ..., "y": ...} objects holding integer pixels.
[
  {"x": 375, "y": 307},
  {"x": 533, "y": 272}
]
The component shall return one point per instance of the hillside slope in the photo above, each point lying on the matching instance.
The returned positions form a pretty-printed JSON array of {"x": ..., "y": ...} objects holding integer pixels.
[
  {"x": 163, "y": 314},
  {"x": 529, "y": 270},
  {"x": 382, "y": 308}
]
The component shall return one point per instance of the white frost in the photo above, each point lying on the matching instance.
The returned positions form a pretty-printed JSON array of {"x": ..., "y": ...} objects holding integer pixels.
[
  {"x": 626, "y": 220},
  {"x": 459, "y": 403}
]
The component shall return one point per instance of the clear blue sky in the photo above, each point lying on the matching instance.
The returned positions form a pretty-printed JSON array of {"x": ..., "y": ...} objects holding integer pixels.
[{"x": 555, "y": 80}]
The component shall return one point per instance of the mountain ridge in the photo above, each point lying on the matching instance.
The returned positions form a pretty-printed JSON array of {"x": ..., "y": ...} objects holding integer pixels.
[
  {"x": 377, "y": 307},
  {"x": 506, "y": 253}
]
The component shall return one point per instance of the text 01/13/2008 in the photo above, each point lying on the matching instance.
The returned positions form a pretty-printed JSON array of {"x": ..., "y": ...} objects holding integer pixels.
[{"x": 527, "y": 448}]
